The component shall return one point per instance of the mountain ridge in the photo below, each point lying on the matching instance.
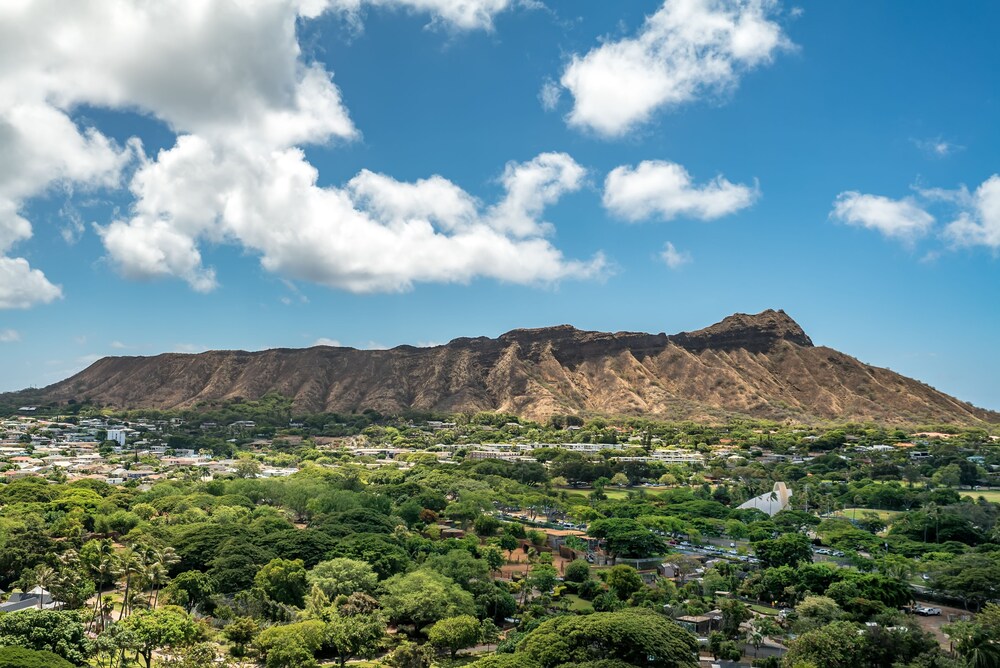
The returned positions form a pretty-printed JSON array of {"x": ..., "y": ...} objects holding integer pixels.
[{"x": 760, "y": 365}]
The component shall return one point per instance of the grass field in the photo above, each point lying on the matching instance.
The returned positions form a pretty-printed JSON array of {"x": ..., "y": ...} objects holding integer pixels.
[
  {"x": 615, "y": 493},
  {"x": 763, "y": 609},
  {"x": 992, "y": 495},
  {"x": 577, "y": 604},
  {"x": 884, "y": 515}
]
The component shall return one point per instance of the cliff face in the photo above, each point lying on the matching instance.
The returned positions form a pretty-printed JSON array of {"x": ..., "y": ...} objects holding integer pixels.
[{"x": 761, "y": 365}]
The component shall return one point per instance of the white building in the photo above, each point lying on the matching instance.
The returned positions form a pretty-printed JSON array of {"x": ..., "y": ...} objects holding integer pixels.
[
  {"x": 669, "y": 456},
  {"x": 117, "y": 435},
  {"x": 771, "y": 503}
]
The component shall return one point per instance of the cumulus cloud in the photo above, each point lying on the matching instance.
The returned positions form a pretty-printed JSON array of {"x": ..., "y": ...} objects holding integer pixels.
[
  {"x": 674, "y": 258},
  {"x": 665, "y": 190},
  {"x": 40, "y": 147},
  {"x": 23, "y": 287},
  {"x": 230, "y": 80},
  {"x": 974, "y": 215},
  {"x": 373, "y": 234},
  {"x": 979, "y": 223},
  {"x": 902, "y": 219},
  {"x": 685, "y": 50},
  {"x": 9, "y": 336}
]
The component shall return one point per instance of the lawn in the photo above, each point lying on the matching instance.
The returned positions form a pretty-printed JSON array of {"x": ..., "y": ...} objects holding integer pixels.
[
  {"x": 884, "y": 515},
  {"x": 577, "y": 604},
  {"x": 763, "y": 609},
  {"x": 614, "y": 493},
  {"x": 992, "y": 495}
]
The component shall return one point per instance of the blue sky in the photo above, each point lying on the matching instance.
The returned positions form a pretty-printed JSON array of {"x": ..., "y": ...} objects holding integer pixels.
[{"x": 378, "y": 172}]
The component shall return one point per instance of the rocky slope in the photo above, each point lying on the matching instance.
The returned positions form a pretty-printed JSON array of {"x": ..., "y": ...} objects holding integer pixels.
[{"x": 761, "y": 365}]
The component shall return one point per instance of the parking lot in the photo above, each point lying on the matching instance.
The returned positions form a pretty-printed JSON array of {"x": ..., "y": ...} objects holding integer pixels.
[{"x": 935, "y": 623}]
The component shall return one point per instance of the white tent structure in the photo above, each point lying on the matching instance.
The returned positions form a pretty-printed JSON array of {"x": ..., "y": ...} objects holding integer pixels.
[{"x": 773, "y": 502}]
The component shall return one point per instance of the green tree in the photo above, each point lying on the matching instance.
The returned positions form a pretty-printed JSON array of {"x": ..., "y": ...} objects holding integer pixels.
[
  {"x": 486, "y": 525},
  {"x": 508, "y": 543},
  {"x": 493, "y": 556},
  {"x": 836, "y": 645},
  {"x": 283, "y": 580},
  {"x": 350, "y": 635},
  {"x": 637, "y": 636},
  {"x": 191, "y": 589},
  {"x": 948, "y": 476},
  {"x": 290, "y": 645},
  {"x": 163, "y": 628},
  {"x": 423, "y": 597},
  {"x": 817, "y": 611},
  {"x": 543, "y": 578},
  {"x": 247, "y": 468},
  {"x": 410, "y": 655},
  {"x": 577, "y": 570},
  {"x": 790, "y": 549},
  {"x": 59, "y": 632},
  {"x": 343, "y": 576},
  {"x": 241, "y": 633},
  {"x": 460, "y": 566},
  {"x": 978, "y": 642},
  {"x": 625, "y": 537},
  {"x": 504, "y": 661},
  {"x": 623, "y": 581},
  {"x": 19, "y": 657},
  {"x": 619, "y": 480},
  {"x": 734, "y": 613},
  {"x": 455, "y": 633}
]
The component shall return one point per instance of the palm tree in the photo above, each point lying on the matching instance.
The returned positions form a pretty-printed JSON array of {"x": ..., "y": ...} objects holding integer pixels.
[
  {"x": 131, "y": 566},
  {"x": 44, "y": 575},
  {"x": 156, "y": 571},
  {"x": 931, "y": 506},
  {"x": 975, "y": 645},
  {"x": 156, "y": 575},
  {"x": 756, "y": 638},
  {"x": 106, "y": 569}
]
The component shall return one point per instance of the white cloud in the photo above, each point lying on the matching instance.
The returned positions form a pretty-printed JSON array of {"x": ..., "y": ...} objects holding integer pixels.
[
  {"x": 674, "y": 258},
  {"x": 531, "y": 186},
  {"x": 40, "y": 147},
  {"x": 375, "y": 234},
  {"x": 460, "y": 14},
  {"x": 323, "y": 341},
  {"x": 974, "y": 216},
  {"x": 687, "y": 49},
  {"x": 118, "y": 345},
  {"x": 937, "y": 147},
  {"x": 979, "y": 223},
  {"x": 549, "y": 95},
  {"x": 665, "y": 190},
  {"x": 74, "y": 228},
  {"x": 902, "y": 219},
  {"x": 230, "y": 80},
  {"x": 9, "y": 336},
  {"x": 23, "y": 287}
]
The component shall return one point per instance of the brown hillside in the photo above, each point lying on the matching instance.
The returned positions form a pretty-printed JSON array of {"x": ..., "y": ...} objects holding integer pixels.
[{"x": 761, "y": 365}]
